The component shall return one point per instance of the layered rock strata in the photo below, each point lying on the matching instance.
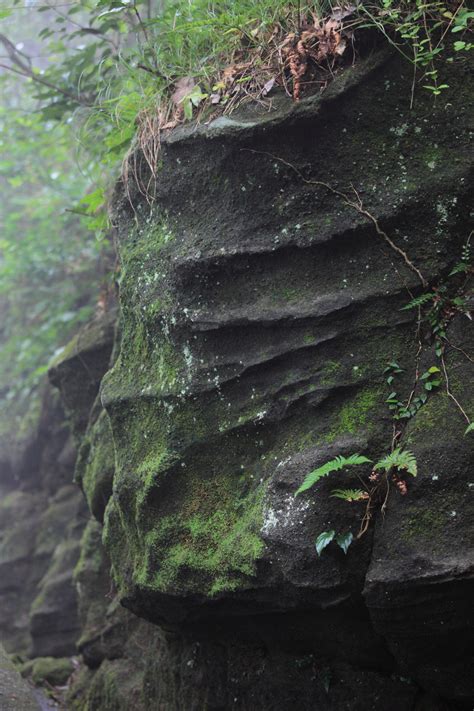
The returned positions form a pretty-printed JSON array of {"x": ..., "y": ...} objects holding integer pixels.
[{"x": 261, "y": 300}]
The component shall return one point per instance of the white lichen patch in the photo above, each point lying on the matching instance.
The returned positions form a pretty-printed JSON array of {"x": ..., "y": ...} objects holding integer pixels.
[
  {"x": 290, "y": 514},
  {"x": 399, "y": 131}
]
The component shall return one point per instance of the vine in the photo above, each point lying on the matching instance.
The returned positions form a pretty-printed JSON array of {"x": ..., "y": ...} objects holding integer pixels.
[
  {"x": 355, "y": 203},
  {"x": 436, "y": 307}
]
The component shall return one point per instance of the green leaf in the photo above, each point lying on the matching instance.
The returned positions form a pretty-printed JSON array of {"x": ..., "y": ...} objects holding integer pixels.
[
  {"x": 470, "y": 428},
  {"x": 112, "y": 11},
  {"x": 94, "y": 200},
  {"x": 398, "y": 459},
  {"x": 349, "y": 494},
  {"x": 325, "y": 676},
  {"x": 323, "y": 540},
  {"x": 332, "y": 466},
  {"x": 188, "y": 109},
  {"x": 419, "y": 301},
  {"x": 344, "y": 540}
]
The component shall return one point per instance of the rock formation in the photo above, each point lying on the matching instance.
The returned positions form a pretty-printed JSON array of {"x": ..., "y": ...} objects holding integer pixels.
[{"x": 261, "y": 298}]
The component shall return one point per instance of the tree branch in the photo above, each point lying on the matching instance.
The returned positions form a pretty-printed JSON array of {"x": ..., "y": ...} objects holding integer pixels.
[{"x": 26, "y": 70}]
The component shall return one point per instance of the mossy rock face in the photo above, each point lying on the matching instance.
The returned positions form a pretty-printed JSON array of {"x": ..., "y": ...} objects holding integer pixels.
[
  {"x": 258, "y": 312},
  {"x": 54, "y": 622},
  {"x": 111, "y": 688},
  {"x": 42, "y": 510},
  {"x": 419, "y": 586},
  {"x": 95, "y": 465},
  {"x": 15, "y": 693},
  {"x": 53, "y": 670},
  {"x": 78, "y": 369}
]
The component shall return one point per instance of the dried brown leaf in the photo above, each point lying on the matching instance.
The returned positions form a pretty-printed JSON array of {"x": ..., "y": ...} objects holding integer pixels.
[
  {"x": 268, "y": 86},
  {"x": 184, "y": 87},
  {"x": 339, "y": 13}
]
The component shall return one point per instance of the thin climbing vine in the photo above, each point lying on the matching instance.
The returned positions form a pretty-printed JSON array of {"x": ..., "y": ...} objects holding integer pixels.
[{"x": 436, "y": 307}]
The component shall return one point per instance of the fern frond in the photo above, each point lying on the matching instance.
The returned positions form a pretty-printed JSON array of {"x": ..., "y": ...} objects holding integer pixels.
[
  {"x": 349, "y": 494},
  {"x": 398, "y": 459},
  {"x": 419, "y": 301},
  {"x": 333, "y": 465},
  {"x": 460, "y": 267}
]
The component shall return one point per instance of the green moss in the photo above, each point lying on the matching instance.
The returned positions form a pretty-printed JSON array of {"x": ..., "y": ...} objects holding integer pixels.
[
  {"x": 103, "y": 692},
  {"x": 209, "y": 542},
  {"x": 91, "y": 558},
  {"x": 441, "y": 411},
  {"x": 117, "y": 685},
  {"x": 184, "y": 516},
  {"x": 86, "y": 339},
  {"x": 354, "y": 415},
  {"x": 328, "y": 374},
  {"x": 210, "y": 545},
  {"x": 96, "y": 463},
  {"x": 25, "y": 668},
  {"x": 423, "y": 525},
  {"x": 289, "y": 293},
  {"x": 51, "y": 670},
  {"x": 429, "y": 525}
]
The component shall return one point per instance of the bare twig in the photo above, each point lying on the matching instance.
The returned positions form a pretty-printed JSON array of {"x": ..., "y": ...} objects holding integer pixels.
[
  {"x": 23, "y": 68},
  {"x": 367, "y": 517},
  {"x": 417, "y": 357},
  {"x": 461, "y": 350},
  {"x": 450, "y": 394},
  {"x": 356, "y": 205},
  {"x": 387, "y": 493}
]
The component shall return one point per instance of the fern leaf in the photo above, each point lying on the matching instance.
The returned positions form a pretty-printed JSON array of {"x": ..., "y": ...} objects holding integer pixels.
[
  {"x": 349, "y": 494},
  {"x": 398, "y": 459},
  {"x": 333, "y": 465},
  {"x": 419, "y": 301},
  {"x": 460, "y": 267}
]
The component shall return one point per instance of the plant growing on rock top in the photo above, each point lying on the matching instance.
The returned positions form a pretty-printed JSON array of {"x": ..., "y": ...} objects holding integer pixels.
[
  {"x": 134, "y": 69},
  {"x": 431, "y": 379},
  {"x": 386, "y": 472},
  {"x": 436, "y": 308}
]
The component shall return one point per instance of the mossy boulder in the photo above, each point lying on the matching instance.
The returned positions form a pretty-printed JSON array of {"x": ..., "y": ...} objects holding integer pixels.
[
  {"x": 419, "y": 585},
  {"x": 51, "y": 670},
  {"x": 78, "y": 368},
  {"x": 42, "y": 510},
  {"x": 258, "y": 311},
  {"x": 15, "y": 693},
  {"x": 95, "y": 464}
]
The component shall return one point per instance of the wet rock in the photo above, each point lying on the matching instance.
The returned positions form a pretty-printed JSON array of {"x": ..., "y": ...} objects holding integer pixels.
[
  {"x": 258, "y": 311},
  {"x": 15, "y": 694}
]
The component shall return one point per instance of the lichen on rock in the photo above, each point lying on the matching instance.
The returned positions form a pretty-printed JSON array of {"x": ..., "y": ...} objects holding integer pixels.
[{"x": 258, "y": 312}]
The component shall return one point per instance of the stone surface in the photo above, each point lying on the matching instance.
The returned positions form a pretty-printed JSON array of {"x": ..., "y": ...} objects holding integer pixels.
[
  {"x": 43, "y": 514},
  {"x": 37, "y": 512},
  {"x": 15, "y": 694},
  {"x": 52, "y": 670},
  {"x": 79, "y": 368},
  {"x": 258, "y": 312}
]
